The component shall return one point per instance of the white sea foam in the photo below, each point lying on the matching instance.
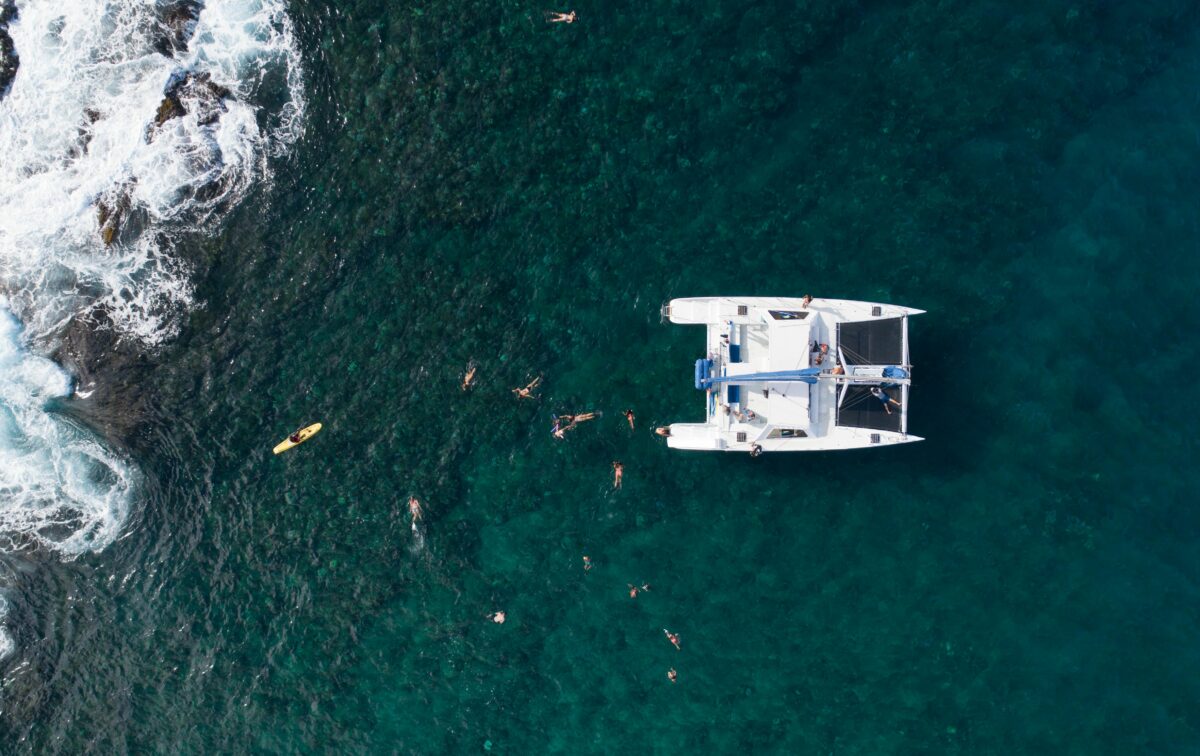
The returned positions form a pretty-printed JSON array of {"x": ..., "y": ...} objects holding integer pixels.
[{"x": 77, "y": 132}]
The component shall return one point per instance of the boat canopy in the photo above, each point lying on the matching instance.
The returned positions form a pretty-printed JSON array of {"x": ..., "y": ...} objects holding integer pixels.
[{"x": 806, "y": 375}]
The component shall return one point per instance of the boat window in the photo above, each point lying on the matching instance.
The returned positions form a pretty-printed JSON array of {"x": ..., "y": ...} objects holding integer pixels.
[
  {"x": 788, "y": 314},
  {"x": 787, "y": 433}
]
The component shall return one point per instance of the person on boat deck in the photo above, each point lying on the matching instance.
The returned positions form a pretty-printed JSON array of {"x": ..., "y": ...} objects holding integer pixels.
[
  {"x": 821, "y": 350},
  {"x": 755, "y": 450},
  {"x": 806, "y": 301},
  {"x": 882, "y": 396},
  {"x": 295, "y": 437}
]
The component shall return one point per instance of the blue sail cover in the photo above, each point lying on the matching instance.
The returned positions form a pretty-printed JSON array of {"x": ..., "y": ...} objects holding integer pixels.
[
  {"x": 895, "y": 372},
  {"x": 807, "y": 375},
  {"x": 703, "y": 370}
]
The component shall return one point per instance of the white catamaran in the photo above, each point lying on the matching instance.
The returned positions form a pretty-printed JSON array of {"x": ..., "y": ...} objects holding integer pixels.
[{"x": 790, "y": 374}]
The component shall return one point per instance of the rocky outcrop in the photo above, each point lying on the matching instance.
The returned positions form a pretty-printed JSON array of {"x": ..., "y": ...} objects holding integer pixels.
[
  {"x": 111, "y": 211},
  {"x": 196, "y": 91},
  {"x": 175, "y": 25},
  {"x": 8, "y": 52}
]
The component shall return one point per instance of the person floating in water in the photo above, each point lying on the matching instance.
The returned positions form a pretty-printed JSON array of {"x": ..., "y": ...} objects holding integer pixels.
[
  {"x": 629, "y": 416},
  {"x": 618, "y": 472},
  {"x": 469, "y": 378},
  {"x": 564, "y": 423},
  {"x": 663, "y": 430},
  {"x": 497, "y": 617},
  {"x": 555, "y": 17},
  {"x": 587, "y": 563},
  {"x": 634, "y": 590},
  {"x": 672, "y": 675},
  {"x": 882, "y": 396},
  {"x": 527, "y": 392},
  {"x": 674, "y": 638},
  {"x": 414, "y": 509}
]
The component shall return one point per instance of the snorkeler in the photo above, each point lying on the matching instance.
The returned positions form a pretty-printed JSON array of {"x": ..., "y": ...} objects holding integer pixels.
[
  {"x": 629, "y": 416},
  {"x": 469, "y": 378},
  {"x": 618, "y": 472},
  {"x": 674, "y": 638},
  {"x": 555, "y": 17},
  {"x": 634, "y": 590},
  {"x": 527, "y": 392}
]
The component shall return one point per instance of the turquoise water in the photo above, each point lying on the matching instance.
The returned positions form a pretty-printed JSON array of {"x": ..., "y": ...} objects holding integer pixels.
[{"x": 475, "y": 185}]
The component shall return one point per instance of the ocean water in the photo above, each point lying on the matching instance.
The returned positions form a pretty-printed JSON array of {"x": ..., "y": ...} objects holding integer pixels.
[{"x": 391, "y": 193}]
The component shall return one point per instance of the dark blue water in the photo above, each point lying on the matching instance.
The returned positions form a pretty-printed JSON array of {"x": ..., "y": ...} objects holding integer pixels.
[{"x": 475, "y": 185}]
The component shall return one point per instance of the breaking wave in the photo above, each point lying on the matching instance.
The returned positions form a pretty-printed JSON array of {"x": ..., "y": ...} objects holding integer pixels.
[{"x": 127, "y": 124}]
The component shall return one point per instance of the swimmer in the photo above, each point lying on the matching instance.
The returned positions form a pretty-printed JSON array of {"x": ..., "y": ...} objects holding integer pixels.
[
  {"x": 527, "y": 392},
  {"x": 561, "y": 18},
  {"x": 629, "y": 416},
  {"x": 672, "y": 675},
  {"x": 584, "y": 417},
  {"x": 414, "y": 508},
  {"x": 806, "y": 301},
  {"x": 618, "y": 472},
  {"x": 469, "y": 378},
  {"x": 663, "y": 430},
  {"x": 634, "y": 590},
  {"x": 587, "y": 563},
  {"x": 674, "y": 638},
  {"x": 497, "y": 617}
]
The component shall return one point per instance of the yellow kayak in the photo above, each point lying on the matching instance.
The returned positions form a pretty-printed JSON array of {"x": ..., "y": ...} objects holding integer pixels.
[{"x": 303, "y": 435}]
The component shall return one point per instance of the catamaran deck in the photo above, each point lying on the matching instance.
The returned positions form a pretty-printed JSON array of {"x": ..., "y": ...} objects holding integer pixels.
[{"x": 782, "y": 376}]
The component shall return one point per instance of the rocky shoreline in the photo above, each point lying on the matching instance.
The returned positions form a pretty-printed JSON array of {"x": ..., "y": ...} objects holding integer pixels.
[{"x": 8, "y": 52}]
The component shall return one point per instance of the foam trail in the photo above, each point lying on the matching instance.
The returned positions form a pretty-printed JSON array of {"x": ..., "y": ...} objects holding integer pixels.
[{"x": 94, "y": 183}]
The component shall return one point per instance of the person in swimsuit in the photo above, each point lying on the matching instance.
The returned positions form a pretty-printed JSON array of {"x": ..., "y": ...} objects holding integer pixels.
[
  {"x": 618, "y": 471},
  {"x": 839, "y": 370},
  {"x": 561, "y": 18},
  {"x": 674, "y": 638},
  {"x": 295, "y": 437},
  {"x": 806, "y": 301},
  {"x": 497, "y": 617},
  {"x": 527, "y": 392},
  {"x": 587, "y": 563},
  {"x": 755, "y": 450},
  {"x": 629, "y": 416},
  {"x": 469, "y": 378},
  {"x": 883, "y": 397},
  {"x": 672, "y": 675},
  {"x": 663, "y": 430},
  {"x": 634, "y": 590},
  {"x": 414, "y": 508}
]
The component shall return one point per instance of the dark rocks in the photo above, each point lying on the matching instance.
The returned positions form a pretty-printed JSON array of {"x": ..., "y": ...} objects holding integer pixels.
[
  {"x": 175, "y": 26},
  {"x": 8, "y": 52},
  {"x": 111, "y": 211},
  {"x": 196, "y": 91}
]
